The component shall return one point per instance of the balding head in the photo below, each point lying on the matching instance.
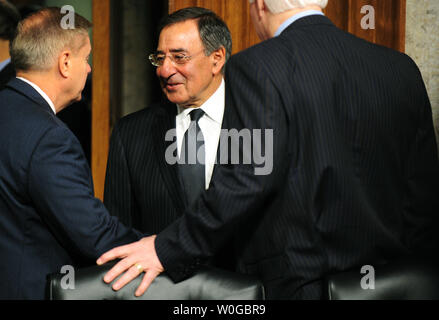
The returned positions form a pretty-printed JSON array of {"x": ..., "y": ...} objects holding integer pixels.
[{"x": 40, "y": 38}]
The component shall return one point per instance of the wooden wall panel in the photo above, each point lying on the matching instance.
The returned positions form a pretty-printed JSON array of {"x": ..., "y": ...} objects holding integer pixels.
[
  {"x": 390, "y": 18},
  {"x": 338, "y": 12},
  {"x": 346, "y": 14},
  {"x": 236, "y": 13},
  {"x": 355, "y": 17},
  {"x": 101, "y": 94}
]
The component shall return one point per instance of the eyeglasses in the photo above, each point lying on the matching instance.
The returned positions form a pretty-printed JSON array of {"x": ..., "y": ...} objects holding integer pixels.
[{"x": 158, "y": 59}]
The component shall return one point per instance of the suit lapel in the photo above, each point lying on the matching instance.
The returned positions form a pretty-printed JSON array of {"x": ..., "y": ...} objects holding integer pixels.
[{"x": 165, "y": 121}]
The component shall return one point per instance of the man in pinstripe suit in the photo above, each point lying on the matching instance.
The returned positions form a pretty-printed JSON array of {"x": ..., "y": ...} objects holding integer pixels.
[
  {"x": 143, "y": 188},
  {"x": 355, "y": 167}
]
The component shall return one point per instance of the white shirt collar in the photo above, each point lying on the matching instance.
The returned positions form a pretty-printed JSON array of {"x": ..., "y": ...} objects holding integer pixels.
[
  {"x": 296, "y": 17},
  {"x": 211, "y": 106},
  {"x": 41, "y": 92},
  {"x": 210, "y": 125}
]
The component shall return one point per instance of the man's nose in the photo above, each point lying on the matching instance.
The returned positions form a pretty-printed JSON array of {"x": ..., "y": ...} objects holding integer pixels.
[{"x": 167, "y": 69}]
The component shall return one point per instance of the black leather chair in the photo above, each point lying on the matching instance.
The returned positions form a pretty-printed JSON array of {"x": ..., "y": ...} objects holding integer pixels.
[
  {"x": 207, "y": 284},
  {"x": 405, "y": 279}
]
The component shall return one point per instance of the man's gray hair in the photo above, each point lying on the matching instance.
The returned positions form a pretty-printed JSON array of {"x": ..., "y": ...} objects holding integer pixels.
[
  {"x": 214, "y": 32},
  {"x": 40, "y": 38},
  {"x": 279, "y": 6}
]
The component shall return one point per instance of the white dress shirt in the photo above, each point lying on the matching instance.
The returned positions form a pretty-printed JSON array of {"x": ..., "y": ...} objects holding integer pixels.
[
  {"x": 210, "y": 125},
  {"x": 41, "y": 92}
]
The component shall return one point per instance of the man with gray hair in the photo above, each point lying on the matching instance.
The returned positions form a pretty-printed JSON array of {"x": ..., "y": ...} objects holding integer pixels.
[
  {"x": 49, "y": 217},
  {"x": 355, "y": 175}
]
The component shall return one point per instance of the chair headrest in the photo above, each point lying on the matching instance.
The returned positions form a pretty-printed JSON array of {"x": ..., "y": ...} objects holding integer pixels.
[
  {"x": 207, "y": 284},
  {"x": 405, "y": 279}
]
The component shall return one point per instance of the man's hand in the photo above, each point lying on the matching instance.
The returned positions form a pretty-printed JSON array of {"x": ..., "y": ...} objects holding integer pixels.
[{"x": 137, "y": 257}]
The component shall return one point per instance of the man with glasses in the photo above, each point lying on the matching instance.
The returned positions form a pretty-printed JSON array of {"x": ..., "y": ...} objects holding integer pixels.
[{"x": 146, "y": 186}]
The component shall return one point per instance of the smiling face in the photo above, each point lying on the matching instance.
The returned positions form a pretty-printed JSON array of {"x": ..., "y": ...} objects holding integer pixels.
[{"x": 192, "y": 83}]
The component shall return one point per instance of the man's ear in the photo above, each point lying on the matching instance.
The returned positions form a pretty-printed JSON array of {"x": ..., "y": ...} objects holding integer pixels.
[
  {"x": 260, "y": 8},
  {"x": 219, "y": 60},
  {"x": 65, "y": 63}
]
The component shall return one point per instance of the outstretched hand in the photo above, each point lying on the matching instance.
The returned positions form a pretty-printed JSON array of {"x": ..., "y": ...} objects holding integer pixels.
[{"x": 137, "y": 257}]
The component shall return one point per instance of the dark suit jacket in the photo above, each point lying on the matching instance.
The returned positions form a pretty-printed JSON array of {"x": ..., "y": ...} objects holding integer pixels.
[
  {"x": 7, "y": 73},
  {"x": 141, "y": 188},
  {"x": 355, "y": 168},
  {"x": 48, "y": 214},
  {"x": 76, "y": 116}
]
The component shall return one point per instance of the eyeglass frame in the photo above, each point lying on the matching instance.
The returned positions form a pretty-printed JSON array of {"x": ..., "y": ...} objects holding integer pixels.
[{"x": 171, "y": 56}]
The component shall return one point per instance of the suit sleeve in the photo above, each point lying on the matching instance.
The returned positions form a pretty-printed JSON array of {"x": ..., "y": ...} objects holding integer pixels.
[
  {"x": 236, "y": 193},
  {"x": 61, "y": 189},
  {"x": 421, "y": 214},
  {"x": 118, "y": 196}
]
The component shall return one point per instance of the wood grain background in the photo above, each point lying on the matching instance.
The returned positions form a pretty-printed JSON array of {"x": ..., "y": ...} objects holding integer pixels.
[
  {"x": 100, "y": 123},
  {"x": 346, "y": 14}
]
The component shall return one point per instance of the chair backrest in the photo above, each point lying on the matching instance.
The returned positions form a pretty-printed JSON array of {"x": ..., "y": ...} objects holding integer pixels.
[
  {"x": 207, "y": 284},
  {"x": 405, "y": 279}
]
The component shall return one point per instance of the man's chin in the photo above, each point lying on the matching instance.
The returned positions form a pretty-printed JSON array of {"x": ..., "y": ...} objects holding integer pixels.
[
  {"x": 176, "y": 99},
  {"x": 77, "y": 99}
]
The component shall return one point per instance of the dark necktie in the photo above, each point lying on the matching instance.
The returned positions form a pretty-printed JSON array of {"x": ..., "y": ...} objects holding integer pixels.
[{"x": 192, "y": 159}]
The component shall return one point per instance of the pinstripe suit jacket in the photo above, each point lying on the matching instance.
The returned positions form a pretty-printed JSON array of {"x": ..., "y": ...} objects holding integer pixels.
[
  {"x": 355, "y": 168},
  {"x": 141, "y": 188}
]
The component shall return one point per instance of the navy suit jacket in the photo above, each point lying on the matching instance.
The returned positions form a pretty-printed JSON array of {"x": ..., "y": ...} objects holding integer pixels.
[
  {"x": 6, "y": 74},
  {"x": 49, "y": 216},
  {"x": 355, "y": 169}
]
